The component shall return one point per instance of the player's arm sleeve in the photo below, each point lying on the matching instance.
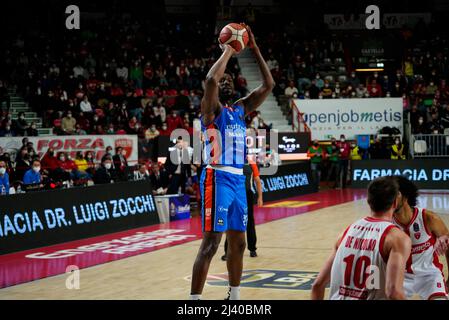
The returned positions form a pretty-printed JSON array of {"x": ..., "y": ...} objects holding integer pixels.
[{"x": 398, "y": 249}]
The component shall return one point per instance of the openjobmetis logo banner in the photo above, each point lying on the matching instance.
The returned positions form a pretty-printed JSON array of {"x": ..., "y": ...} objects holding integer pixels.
[{"x": 351, "y": 117}]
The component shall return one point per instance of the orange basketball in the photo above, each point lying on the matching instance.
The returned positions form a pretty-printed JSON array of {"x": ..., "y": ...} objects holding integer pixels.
[{"x": 235, "y": 35}]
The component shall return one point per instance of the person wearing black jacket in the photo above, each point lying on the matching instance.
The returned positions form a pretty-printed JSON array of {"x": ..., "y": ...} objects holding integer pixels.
[
  {"x": 377, "y": 150},
  {"x": 178, "y": 167},
  {"x": 120, "y": 163},
  {"x": 104, "y": 174},
  {"x": 159, "y": 180}
]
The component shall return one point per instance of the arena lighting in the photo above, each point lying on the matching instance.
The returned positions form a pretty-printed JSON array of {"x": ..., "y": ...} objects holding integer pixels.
[{"x": 369, "y": 69}]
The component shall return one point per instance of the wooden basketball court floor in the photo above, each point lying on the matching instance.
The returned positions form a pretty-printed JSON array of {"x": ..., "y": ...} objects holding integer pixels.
[{"x": 291, "y": 251}]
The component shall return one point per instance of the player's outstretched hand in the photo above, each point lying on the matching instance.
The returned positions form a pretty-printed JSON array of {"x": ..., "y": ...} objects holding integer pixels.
[
  {"x": 225, "y": 47},
  {"x": 442, "y": 245},
  {"x": 251, "y": 40}
]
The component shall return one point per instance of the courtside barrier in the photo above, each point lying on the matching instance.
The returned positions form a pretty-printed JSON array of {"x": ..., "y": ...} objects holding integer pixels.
[
  {"x": 426, "y": 173},
  {"x": 290, "y": 180},
  {"x": 44, "y": 218}
]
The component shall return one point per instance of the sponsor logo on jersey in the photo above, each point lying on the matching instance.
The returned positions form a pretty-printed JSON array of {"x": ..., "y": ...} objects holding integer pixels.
[
  {"x": 208, "y": 212},
  {"x": 267, "y": 279},
  {"x": 220, "y": 222},
  {"x": 416, "y": 227}
]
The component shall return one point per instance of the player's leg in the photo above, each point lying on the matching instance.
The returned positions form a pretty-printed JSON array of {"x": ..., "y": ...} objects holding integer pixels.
[
  {"x": 208, "y": 248},
  {"x": 214, "y": 223},
  {"x": 234, "y": 261},
  {"x": 251, "y": 237},
  {"x": 237, "y": 222}
]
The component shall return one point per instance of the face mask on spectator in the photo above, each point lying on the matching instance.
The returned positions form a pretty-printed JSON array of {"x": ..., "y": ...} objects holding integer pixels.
[
  {"x": 62, "y": 158},
  {"x": 36, "y": 169},
  {"x": 342, "y": 139},
  {"x": 397, "y": 142},
  {"x": 69, "y": 115},
  {"x": 2, "y": 170},
  {"x": 164, "y": 127},
  {"x": 108, "y": 166}
]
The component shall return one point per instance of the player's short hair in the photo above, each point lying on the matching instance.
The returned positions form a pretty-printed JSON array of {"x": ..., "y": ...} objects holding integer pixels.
[
  {"x": 408, "y": 190},
  {"x": 382, "y": 193}
]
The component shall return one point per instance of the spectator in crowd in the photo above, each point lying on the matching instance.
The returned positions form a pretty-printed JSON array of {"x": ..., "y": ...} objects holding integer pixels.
[
  {"x": 89, "y": 156},
  {"x": 104, "y": 174},
  {"x": 120, "y": 164},
  {"x": 356, "y": 153},
  {"x": 291, "y": 89},
  {"x": 445, "y": 116},
  {"x": 333, "y": 158},
  {"x": 4, "y": 179},
  {"x": 21, "y": 125},
  {"x": 69, "y": 166},
  {"x": 178, "y": 167},
  {"x": 32, "y": 130},
  {"x": 49, "y": 162},
  {"x": 33, "y": 176},
  {"x": 435, "y": 126},
  {"x": 343, "y": 161},
  {"x": 7, "y": 130},
  {"x": 421, "y": 127},
  {"x": 151, "y": 142},
  {"x": 141, "y": 173},
  {"x": 4, "y": 96},
  {"x": 174, "y": 121},
  {"x": 398, "y": 150},
  {"x": 82, "y": 165},
  {"x": 109, "y": 151},
  {"x": 68, "y": 123},
  {"x": 377, "y": 150},
  {"x": 315, "y": 153},
  {"x": 159, "y": 180},
  {"x": 23, "y": 164},
  {"x": 85, "y": 105}
]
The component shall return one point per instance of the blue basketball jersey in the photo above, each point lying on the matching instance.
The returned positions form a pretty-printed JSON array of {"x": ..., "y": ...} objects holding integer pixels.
[{"x": 231, "y": 146}]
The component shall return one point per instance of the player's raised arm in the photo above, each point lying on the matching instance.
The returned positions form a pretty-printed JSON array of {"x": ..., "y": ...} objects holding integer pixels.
[
  {"x": 397, "y": 248},
  {"x": 258, "y": 95},
  {"x": 210, "y": 103}
]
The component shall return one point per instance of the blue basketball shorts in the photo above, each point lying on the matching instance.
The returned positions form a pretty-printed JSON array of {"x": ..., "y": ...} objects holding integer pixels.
[{"x": 223, "y": 201}]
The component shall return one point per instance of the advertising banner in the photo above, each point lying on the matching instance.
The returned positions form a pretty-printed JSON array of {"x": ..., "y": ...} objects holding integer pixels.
[
  {"x": 72, "y": 144},
  {"x": 426, "y": 173},
  {"x": 37, "y": 219},
  {"x": 332, "y": 117},
  {"x": 290, "y": 180},
  {"x": 179, "y": 207}
]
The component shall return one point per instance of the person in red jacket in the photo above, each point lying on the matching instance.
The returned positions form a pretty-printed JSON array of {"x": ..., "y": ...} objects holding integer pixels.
[
  {"x": 69, "y": 166},
  {"x": 49, "y": 162},
  {"x": 174, "y": 121},
  {"x": 343, "y": 161}
]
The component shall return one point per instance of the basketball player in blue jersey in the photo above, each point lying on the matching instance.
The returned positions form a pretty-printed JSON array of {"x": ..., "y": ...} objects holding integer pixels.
[{"x": 224, "y": 207}]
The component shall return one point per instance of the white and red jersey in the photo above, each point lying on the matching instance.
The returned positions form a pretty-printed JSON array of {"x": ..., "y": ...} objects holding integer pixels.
[
  {"x": 359, "y": 254},
  {"x": 423, "y": 259}
]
